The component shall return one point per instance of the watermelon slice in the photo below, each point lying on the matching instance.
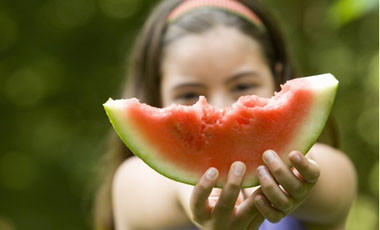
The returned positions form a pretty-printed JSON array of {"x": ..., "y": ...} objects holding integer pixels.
[{"x": 182, "y": 142}]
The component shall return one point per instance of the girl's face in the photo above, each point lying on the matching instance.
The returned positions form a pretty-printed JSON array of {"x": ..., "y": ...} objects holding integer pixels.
[{"x": 221, "y": 64}]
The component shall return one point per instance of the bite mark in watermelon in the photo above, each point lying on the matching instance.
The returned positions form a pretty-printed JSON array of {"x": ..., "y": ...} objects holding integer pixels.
[{"x": 182, "y": 142}]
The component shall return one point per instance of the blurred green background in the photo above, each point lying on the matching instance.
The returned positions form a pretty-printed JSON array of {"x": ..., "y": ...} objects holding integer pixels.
[{"x": 61, "y": 59}]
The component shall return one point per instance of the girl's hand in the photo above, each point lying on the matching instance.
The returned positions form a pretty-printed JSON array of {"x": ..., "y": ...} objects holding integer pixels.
[
  {"x": 283, "y": 189},
  {"x": 224, "y": 215}
]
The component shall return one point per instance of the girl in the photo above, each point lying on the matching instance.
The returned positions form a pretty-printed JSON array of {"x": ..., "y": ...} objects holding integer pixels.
[{"x": 221, "y": 49}]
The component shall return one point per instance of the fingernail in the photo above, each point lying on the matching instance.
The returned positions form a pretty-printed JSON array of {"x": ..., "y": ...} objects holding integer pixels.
[
  {"x": 262, "y": 172},
  {"x": 239, "y": 169},
  {"x": 269, "y": 156},
  {"x": 211, "y": 173},
  {"x": 295, "y": 157}
]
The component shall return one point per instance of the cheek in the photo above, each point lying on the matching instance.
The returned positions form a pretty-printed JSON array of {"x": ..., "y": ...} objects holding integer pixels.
[
  {"x": 268, "y": 91},
  {"x": 164, "y": 101},
  {"x": 270, "y": 87}
]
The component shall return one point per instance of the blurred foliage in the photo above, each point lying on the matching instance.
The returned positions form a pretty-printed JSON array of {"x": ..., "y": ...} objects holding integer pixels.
[{"x": 61, "y": 59}]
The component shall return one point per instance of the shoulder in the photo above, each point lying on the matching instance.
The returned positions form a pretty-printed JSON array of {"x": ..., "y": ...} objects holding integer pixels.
[
  {"x": 139, "y": 195},
  {"x": 338, "y": 161},
  {"x": 320, "y": 148},
  {"x": 338, "y": 174},
  {"x": 133, "y": 171}
]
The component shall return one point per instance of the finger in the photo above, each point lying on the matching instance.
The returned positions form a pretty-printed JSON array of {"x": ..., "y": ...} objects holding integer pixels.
[
  {"x": 256, "y": 222},
  {"x": 226, "y": 203},
  {"x": 245, "y": 213},
  {"x": 308, "y": 168},
  {"x": 214, "y": 196},
  {"x": 267, "y": 210},
  {"x": 283, "y": 175},
  {"x": 272, "y": 191},
  {"x": 199, "y": 197}
]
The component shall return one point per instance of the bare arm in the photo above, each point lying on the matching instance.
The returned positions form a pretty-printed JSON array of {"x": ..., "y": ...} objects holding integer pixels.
[
  {"x": 140, "y": 195},
  {"x": 144, "y": 199},
  {"x": 330, "y": 201}
]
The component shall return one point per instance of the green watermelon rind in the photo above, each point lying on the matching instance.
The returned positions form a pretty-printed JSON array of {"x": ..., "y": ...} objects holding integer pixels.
[
  {"x": 133, "y": 140},
  {"x": 140, "y": 148},
  {"x": 323, "y": 101}
]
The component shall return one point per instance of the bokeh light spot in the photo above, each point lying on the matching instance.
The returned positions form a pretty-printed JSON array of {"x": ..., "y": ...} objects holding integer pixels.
[
  {"x": 368, "y": 125},
  {"x": 365, "y": 29},
  {"x": 17, "y": 171},
  {"x": 51, "y": 133},
  {"x": 30, "y": 84},
  {"x": 6, "y": 224},
  {"x": 334, "y": 60},
  {"x": 25, "y": 87},
  {"x": 373, "y": 179},
  {"x": 372, "y": 81},
  {"x": 8, "y": 32},
  {"x": 52, "y": 70},
  {"x": 363, "y": 214},
  {"x": 70, "y": 13},
  {"x": 313, "y": 22},
  {"x": 345, "y": 11},
  {"x": 119, "y": 9}
]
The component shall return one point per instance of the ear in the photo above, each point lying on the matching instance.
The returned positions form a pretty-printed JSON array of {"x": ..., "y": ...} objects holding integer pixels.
[{"x": 278, "y": 67}]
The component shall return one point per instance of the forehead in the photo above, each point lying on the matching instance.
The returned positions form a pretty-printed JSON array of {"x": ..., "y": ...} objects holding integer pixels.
[{"x": 218, "y": 52}]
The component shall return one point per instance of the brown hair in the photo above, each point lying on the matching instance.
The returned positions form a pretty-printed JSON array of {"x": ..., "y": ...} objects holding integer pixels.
[{"x": 143, "y": 80}]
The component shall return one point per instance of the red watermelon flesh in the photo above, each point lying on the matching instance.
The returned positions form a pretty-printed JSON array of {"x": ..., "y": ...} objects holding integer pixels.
[{"x": 182, "y": 142}]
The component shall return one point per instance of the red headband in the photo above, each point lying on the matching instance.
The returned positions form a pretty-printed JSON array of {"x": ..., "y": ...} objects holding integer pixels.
[{"x": 231, "y": 6}]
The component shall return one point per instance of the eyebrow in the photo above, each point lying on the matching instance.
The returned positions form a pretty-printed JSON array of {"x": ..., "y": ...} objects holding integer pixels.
[
  {"x": 232, "y": 78},
  {"x": 189, "y": 84},
  {"x": 240, "y": 75}
]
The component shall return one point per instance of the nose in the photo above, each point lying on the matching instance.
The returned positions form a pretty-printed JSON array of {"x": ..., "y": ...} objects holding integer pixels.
[{"x": 220, "y": 100}]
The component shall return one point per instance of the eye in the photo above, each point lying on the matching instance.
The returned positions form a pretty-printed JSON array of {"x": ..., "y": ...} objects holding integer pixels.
[
  {"x": 188, "y": 96},
  {"x": 243, "y": 87}
]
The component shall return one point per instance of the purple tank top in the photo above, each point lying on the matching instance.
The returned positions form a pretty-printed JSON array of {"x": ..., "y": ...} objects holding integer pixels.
[{"x": 287, "y": 223}]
